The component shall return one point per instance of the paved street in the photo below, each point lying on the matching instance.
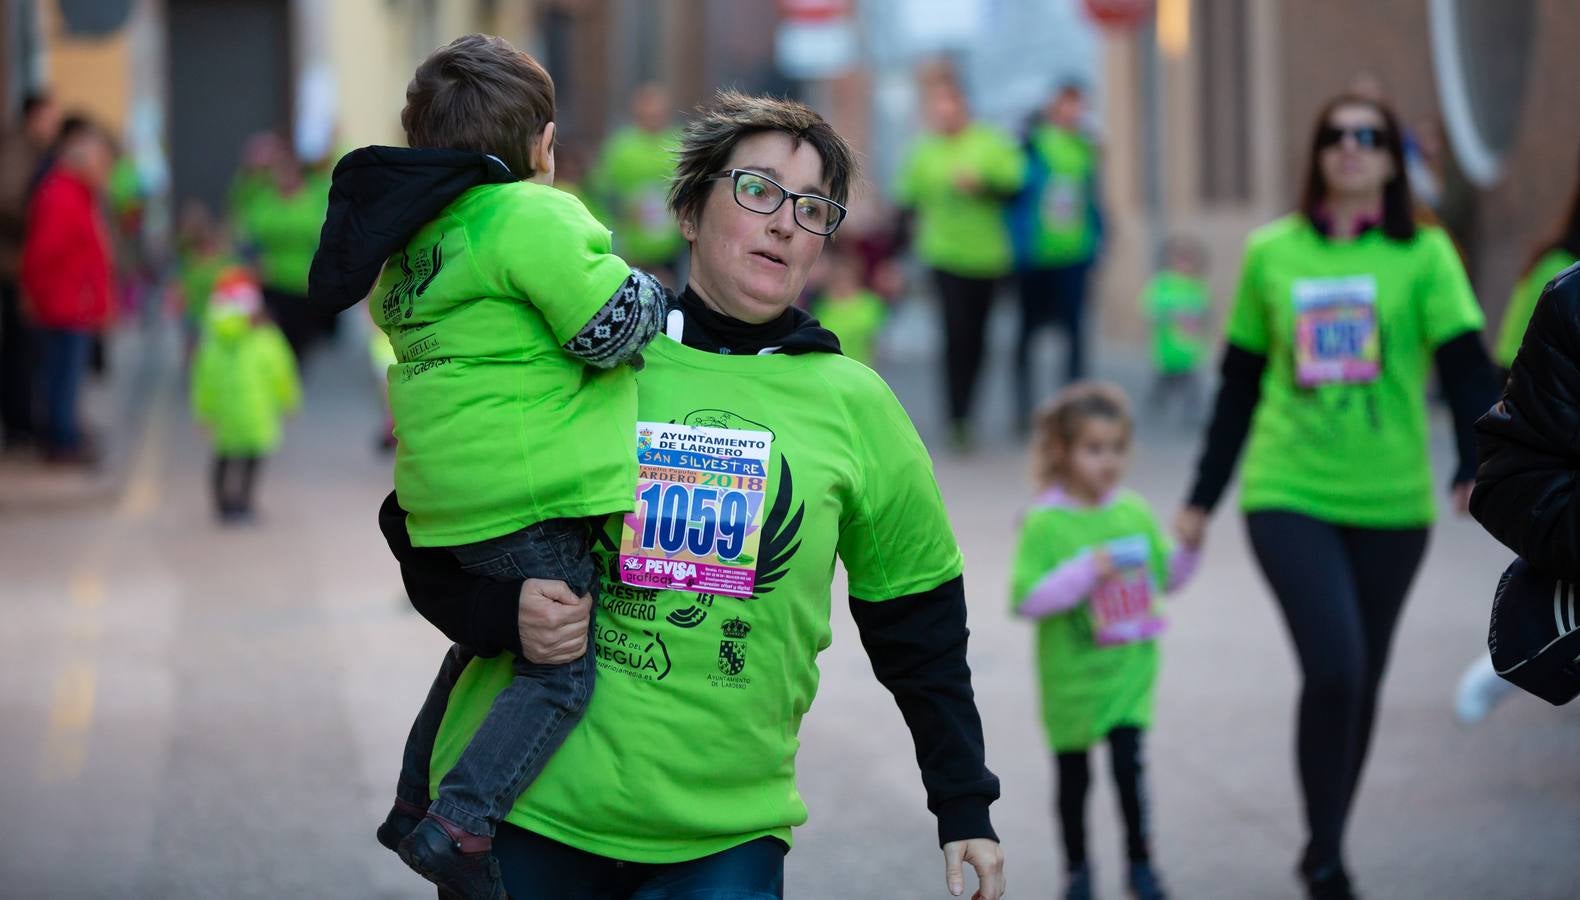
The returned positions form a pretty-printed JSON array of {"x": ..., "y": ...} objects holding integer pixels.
[{"x": 192, "y": 712}]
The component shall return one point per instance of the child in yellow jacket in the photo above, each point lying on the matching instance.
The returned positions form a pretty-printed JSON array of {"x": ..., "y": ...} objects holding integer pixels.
[{"x": 244, "y": 382}]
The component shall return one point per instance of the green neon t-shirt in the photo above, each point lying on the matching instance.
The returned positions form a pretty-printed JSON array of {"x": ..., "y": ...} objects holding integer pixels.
[
  {"x": 285, "y": 228},
  {"x": 496, "y": 426},
  {"x": 1064, "y": 222},
  {"x": 958, "y": 232},
  {"x": 632, "y": 182},
  {"x": 688, "y": 746},
  {"x": 1087, "y": 689},
  {"x": 855, "y": 320},
  {"x": 1177, "y": 306},
  {"x": 1349, "y": 330},
  {"x": 1523, "y": 302}
]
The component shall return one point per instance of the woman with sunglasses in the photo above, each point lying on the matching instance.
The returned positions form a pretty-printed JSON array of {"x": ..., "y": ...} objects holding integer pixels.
[
  {"x": 958, "y": 181},
  {"x": 764, "y": 455},
  {"x": 1341, "y": 310}
]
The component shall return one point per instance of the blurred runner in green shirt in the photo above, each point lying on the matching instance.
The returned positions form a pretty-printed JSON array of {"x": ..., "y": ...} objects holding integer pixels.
[
  {"x": 631, "y": 183},
  {"x": 1176, "y": 303},
  {"x": 848, "y": 308},
  {"x": 1059, "y": 236},
  {"x": 957, "y": 180}
]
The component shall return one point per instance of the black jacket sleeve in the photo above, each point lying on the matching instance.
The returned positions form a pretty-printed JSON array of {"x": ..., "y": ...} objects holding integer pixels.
[
  {"x": 1470, "y": 387},
  {"x": 1527, "y": 491},
  {"x": 1238, "y": 395},
  {"x": 917, "y": 645},
  {"x": 476, "y": 613}
]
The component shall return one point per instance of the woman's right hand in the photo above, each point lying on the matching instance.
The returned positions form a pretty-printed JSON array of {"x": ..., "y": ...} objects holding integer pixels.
[
  {"x": 1190, "y": 526},
  {"x": 552, "y": 622}
]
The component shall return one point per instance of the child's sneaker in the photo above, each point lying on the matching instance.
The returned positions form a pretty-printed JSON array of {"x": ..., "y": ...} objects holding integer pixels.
[
  {"x": 1079, "y": 885},
  {"x": 1145, "y": 883},
  {"x": 434, "y": 850},
  {"x": 402, "y": 819}
]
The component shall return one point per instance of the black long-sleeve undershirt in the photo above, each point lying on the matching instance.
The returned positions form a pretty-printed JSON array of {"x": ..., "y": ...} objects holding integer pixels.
[{"x": 917, "y": 646}]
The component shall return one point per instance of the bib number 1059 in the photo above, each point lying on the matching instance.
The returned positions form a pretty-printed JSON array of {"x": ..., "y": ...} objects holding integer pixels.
[{"x": 697, "y": 519}]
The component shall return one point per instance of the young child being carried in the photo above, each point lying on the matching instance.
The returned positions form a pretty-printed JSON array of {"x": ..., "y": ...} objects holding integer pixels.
[
  {"x": 511, "y": 321},
  {"x": 1090, "y": 566}
]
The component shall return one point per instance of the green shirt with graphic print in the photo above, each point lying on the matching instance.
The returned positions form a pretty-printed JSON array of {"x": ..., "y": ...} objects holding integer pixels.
[
  {"x": 497, "y": 427},
  {"x": 688, "y": 746}
]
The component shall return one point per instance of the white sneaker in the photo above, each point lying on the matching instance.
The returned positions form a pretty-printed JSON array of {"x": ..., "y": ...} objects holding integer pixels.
[{"x": 1480, "y": 689}]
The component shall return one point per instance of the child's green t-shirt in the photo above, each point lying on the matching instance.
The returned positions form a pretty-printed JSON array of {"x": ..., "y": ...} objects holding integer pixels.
[
  {"x": 1088, "y": 689},
  {"x": 1177, "y": 306},
  {"x": 497, "y": 426},
  {"x": 1348, "y": 329},
  {"x": 855, "y": 320}
]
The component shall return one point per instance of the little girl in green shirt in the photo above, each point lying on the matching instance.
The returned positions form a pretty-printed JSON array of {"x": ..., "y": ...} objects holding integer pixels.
[{"x": 1090, "y": 565}]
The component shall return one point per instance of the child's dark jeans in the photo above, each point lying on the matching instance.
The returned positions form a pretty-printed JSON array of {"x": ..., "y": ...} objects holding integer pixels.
[{"x": 531, "y": 717}]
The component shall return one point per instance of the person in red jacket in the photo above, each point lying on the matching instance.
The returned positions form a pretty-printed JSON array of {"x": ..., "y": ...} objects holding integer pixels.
[{"x": 66, "y": 278}]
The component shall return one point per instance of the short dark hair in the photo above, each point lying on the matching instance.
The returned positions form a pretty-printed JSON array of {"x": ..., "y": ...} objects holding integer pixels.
[
  {"x": 710, "y": 138},
  {"x": 1398, "y": 207},
  {"x": 480, "y": 93}
]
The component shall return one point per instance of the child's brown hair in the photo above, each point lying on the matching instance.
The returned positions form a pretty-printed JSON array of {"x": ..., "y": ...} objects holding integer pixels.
[
  {"x": 1056, "y": 425},
  {"x": 480, "y": 93}
]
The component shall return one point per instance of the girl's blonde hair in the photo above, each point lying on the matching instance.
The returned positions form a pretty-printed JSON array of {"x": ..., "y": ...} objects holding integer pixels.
[{"x": 1056, "y": 424}]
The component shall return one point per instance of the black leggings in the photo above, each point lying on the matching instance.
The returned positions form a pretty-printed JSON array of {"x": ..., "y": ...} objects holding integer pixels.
[
  {"x": 1054, "y": 298},
  {"x": 966, "y": 303},
  {"x": 233, "y": 481},
  {"x": 1341, "y": 590},
  {"x": 1075, "y": 778}
]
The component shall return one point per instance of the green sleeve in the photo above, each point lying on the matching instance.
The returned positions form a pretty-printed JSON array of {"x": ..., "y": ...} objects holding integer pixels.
[
  {"x": 549, "y": 250},
  {"x": 1523, "y": 303},
  {"x": 1004, "y": 168},
  {"x": 1248, "y": 328},
  {"x": 283, "y": 378},
  {"x": 1447, "y": 304},
  {"x": 204, "y": 392},
  {"x": 894, "y": 537},
  {"x": 905, "y": 186},
  {"x": 1035, "y": 556}
]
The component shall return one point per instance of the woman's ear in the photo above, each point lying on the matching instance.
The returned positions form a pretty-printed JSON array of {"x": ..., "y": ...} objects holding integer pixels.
[{"x": 688, "y": 228}]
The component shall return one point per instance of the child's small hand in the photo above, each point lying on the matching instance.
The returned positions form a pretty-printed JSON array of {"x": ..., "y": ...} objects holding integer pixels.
[{"x": 1103, "y": 562}]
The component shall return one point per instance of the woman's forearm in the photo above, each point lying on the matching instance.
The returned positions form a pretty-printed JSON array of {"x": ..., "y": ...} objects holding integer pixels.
[{"x": 1238, "y": 395}]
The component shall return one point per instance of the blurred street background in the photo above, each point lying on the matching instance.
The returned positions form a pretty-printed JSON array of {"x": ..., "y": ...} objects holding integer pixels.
[{"x": 192, "y": 707}]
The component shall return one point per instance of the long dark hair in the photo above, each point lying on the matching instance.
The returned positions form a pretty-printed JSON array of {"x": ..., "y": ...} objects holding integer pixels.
[
  {"x": 1398, "y": 207},
  {"x": 1566, "y": 239}
]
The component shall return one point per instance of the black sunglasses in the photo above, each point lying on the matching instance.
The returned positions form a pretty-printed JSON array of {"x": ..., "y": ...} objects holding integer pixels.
[
  {"x": 1368, "y": 137},
  {"x": 763, "y": 195}
]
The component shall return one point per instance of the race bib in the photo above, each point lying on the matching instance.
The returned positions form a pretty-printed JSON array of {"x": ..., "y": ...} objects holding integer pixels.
[
  {"x": 699, "y": 509},
  {"x": 1336, "y": 339},
  {"x": 1121, "y": 606},
  {"x": 1061, "y": 201}
]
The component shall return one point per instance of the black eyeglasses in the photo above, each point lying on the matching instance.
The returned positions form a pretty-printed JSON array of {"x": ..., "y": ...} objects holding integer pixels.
[
  {"x": 763, "y": 195},
  {"x": 1369, "y": 138}
]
